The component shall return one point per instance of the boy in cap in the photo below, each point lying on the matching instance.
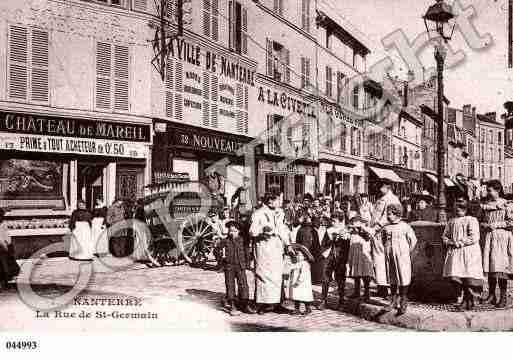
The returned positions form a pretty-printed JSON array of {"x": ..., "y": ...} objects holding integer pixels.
[{"x": 235, "y": 262}]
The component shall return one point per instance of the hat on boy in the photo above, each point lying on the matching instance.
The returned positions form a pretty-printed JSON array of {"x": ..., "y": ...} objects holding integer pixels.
[{"x": 301, "y": 248}]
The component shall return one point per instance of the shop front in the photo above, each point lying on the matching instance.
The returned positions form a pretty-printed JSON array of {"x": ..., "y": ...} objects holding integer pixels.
[
  {"x": 49, "y": 163},
  {"x": 287, "y": 159},
  {"x": 205, "y": 155},
  {"x": 375, "y": 172},
  {"x": 339, "y": 177}
]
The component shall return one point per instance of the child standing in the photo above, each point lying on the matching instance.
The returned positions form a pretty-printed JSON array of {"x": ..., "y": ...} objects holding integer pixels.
[
  {"x": 235, "y": 262},
  {"x": 360, "y": 263},
  {"x": 334, "y": 250},
  {"x": 399, "y": 240},
  {"x": 300, "y": 282},
  {"x": 463, "y": 261}
]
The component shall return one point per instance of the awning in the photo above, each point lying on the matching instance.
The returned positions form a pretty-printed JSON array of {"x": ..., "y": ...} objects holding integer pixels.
[
  {"x": 384, "y": 173},
  {"x": 448, "y": 182}
]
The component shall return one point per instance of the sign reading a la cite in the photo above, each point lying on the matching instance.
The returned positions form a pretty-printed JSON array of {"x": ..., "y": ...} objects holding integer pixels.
[{"x": 73, "y": 127}]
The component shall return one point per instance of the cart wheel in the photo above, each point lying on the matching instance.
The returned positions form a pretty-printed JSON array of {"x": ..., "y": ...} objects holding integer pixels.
[{"x": 197, "y": 240}]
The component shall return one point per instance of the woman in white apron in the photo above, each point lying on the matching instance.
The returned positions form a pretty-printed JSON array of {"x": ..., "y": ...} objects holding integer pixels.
[{"x": 82, "y": 242}]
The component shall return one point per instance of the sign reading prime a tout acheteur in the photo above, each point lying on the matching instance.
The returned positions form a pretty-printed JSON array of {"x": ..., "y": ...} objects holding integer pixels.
[{"x": 33, "y": 133}]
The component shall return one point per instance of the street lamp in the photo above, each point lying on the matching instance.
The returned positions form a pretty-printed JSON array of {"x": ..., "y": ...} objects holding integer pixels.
[{"x": 437, "y": 20}]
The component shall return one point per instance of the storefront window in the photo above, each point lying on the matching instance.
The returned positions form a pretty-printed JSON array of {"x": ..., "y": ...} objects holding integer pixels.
[
  {"x": 274, "y": 183},
  {"x": 187, "y": 166},
  {"x": 299, "y": 185}
]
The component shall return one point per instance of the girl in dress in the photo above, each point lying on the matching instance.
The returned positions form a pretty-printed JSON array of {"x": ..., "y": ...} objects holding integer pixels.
[
  {"x": 463, "y": 260},
  {"x": 360, "y": 263},
  {"x": 496, "y": 218},
  {"x": 399, "y": 240},
  {"x": 82, "y": 243},
  {"x": 300, "y": 282}
]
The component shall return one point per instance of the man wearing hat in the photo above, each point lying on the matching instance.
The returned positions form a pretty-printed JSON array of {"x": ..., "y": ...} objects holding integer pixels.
[
  {"x": 241, "y": 200},
  {"x": 423, "y": 210},
  {"x": 235, "y": 260},
  {"x": 379, "y": 218}
]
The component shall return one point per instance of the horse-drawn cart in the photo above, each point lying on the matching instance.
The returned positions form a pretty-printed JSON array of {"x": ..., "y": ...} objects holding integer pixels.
[{"x": 176, "y": 211}]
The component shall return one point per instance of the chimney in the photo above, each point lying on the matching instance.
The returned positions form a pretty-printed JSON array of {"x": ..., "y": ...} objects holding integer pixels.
[{"x": 491, "y": 116}]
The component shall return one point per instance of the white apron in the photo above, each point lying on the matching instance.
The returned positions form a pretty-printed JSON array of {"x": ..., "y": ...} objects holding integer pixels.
[
  {"x": 82, "y": 243},
  {"x": 99, "y": 234}
]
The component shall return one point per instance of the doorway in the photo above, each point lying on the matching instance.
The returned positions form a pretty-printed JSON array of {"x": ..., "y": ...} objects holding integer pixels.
[{"x": 90, "y": 180}]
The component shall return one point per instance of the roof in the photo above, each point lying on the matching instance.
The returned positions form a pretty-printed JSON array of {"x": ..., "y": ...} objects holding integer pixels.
[
  {"x": 483, "y": 118},
  {"x": 349, "y": 29}
]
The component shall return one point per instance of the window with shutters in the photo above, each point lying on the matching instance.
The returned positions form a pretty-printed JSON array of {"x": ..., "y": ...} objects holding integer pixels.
[
  {"x": 238, "y": 24},
  {"x": 169, "y": 89},
  {"x": 330, "y": 133},
  {"x": 356, "y": 93},
  {"x": 340, "y": 86},
  {"x": 112, "y": 77},
  {"x": 305, "y": 15},
  {"x": 28, "y": 64},
  {"x": 211, "y": 19},
  {"x": 278, "y": 7},
  {"x": 329, "y": 81},
  {"x": 140, "y": 5},
  {"x": 278, "y": 61},
  {"x": 305, "y": 72},
  {"x": 343, "y": 137}
]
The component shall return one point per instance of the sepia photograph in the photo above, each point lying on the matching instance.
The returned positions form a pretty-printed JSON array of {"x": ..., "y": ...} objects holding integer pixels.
[{"x": 207, "y": 166}]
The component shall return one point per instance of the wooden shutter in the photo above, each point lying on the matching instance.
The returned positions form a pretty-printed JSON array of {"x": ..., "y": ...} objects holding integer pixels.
[
  {"x": 18, "y": 63},
  {"x": 246, "y": 122},
  {"x": 178, "y": 89},
  {"x": 303, "y": 72},
  {"x": 215, "y": 19},
  {"x": 286, "y": 55},
  {"x": 307, "y": 71},
  {"x": 231, "y": 25},
  {"x": 169, "y": 89},
  {"x": 39, "y": 74},
  {"x": 206, "y": 18},
  {"x": 214, "y": 119},
  {"x": 121, "y": 77},
  {"x": 327, "y": 91},
  {"x": 269, "y": 46},
  {"x": 140, "y": 5},
  {"x": 240, "y": 96},
  {"x": 206, "y": 113},
  {"x": 246, "y": 97},
  {"x": 206, "y": 86},
  {"x": 244, "y": 35},
  {"x": 179, "y": 76},
  {"x": 240, "y": 122},
  {"x": 214, "y": 91},
  {"x": 103, "y": 75},
  {"x": 307, "y": 16}
]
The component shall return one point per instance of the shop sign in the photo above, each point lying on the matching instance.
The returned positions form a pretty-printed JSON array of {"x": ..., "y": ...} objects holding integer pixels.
[
  {"x": 73, "y": 145},
  {"x": 336, "y": 111},
  {"x": 193, "y": 54},
  {"x": 284, "y": 101},
  {"x": 73, "y": 127},
  {"x": 206, "y": 142}
]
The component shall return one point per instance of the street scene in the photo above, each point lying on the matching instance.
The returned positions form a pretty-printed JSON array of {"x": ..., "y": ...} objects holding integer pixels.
[{"x": 273, "y": 166}]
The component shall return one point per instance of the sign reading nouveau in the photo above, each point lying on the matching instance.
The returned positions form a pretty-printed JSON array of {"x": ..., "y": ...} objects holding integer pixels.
[{"x": 206, "y": 141}]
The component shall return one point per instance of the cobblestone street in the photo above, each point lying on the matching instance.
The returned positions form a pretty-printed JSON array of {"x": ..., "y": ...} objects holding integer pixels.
[{"x": 183, "y": 297}]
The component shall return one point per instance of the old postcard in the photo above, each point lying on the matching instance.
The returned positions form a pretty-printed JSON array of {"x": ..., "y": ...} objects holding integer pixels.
[{"x": 255, "y": 165}]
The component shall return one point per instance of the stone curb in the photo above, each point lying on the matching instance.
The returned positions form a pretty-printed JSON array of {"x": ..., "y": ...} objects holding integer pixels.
[{"x": 432, "y": 320}]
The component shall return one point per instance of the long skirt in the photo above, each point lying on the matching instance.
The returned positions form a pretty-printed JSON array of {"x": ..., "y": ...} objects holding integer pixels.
[
  {"x": 99, "y": 233},
  {"x": 360, "y": 262},
  {"x": 498, "y": 254},
  {"x": 142, "y": 237},
  {"x": 268, "y": 270},
  {"x": 380, "y": 268},
  {"x": 300, "y": 284},
  {"x": 82, "y": 243},
  {"x": 464, "y": 265}
]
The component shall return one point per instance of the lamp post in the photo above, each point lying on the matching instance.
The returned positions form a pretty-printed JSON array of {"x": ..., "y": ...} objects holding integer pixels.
[{"x": 439, "y": 15}]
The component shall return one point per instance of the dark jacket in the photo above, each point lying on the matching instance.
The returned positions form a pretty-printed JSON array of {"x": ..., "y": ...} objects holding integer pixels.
[
  {"x": 308, "y": 236},
  {"x": 235, "y": 253}
]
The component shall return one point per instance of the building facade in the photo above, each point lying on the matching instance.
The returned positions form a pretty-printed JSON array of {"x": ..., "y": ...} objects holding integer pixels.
[
  {"x": 491, "y": 147},
  {"x": 75, "y": 110}
]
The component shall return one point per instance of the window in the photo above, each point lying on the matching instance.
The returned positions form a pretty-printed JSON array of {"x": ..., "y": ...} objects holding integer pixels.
[
  {"x": 499, "y": 137},
  {"x": 343, "y": 137},
  {"x": 483, "y": 135},
  {"x": 278, "y": 61},
  {"x": 112, "y": 76},
  {"x": 121, "y": 3},
  {"x": 275, "y": 133},
  {"x": 274, "y": 183},
  {"x": 305, "y": 15},
  {"x": 278, "y": 7},
  {"x": 330, "y": 133},
  {"x": 28, "y": 64},
  {"x": 299, "y": 185},
  {"x": 305, "y": 72},
  {"x": 500, "y": 155},
  {"x": 491, "y": 171},
  {"x": 329, "y": 81},
  {"x": 340, "y": 86},
  {"x": 356, "y": 91},
  {"x": 211, "y": 18},
  {"x": 500, "y": 173},
  {"x": 238, "y": 22}
]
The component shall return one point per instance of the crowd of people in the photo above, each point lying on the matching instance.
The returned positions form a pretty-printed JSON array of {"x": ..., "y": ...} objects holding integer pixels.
[{"x": 314, "y": 240}]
